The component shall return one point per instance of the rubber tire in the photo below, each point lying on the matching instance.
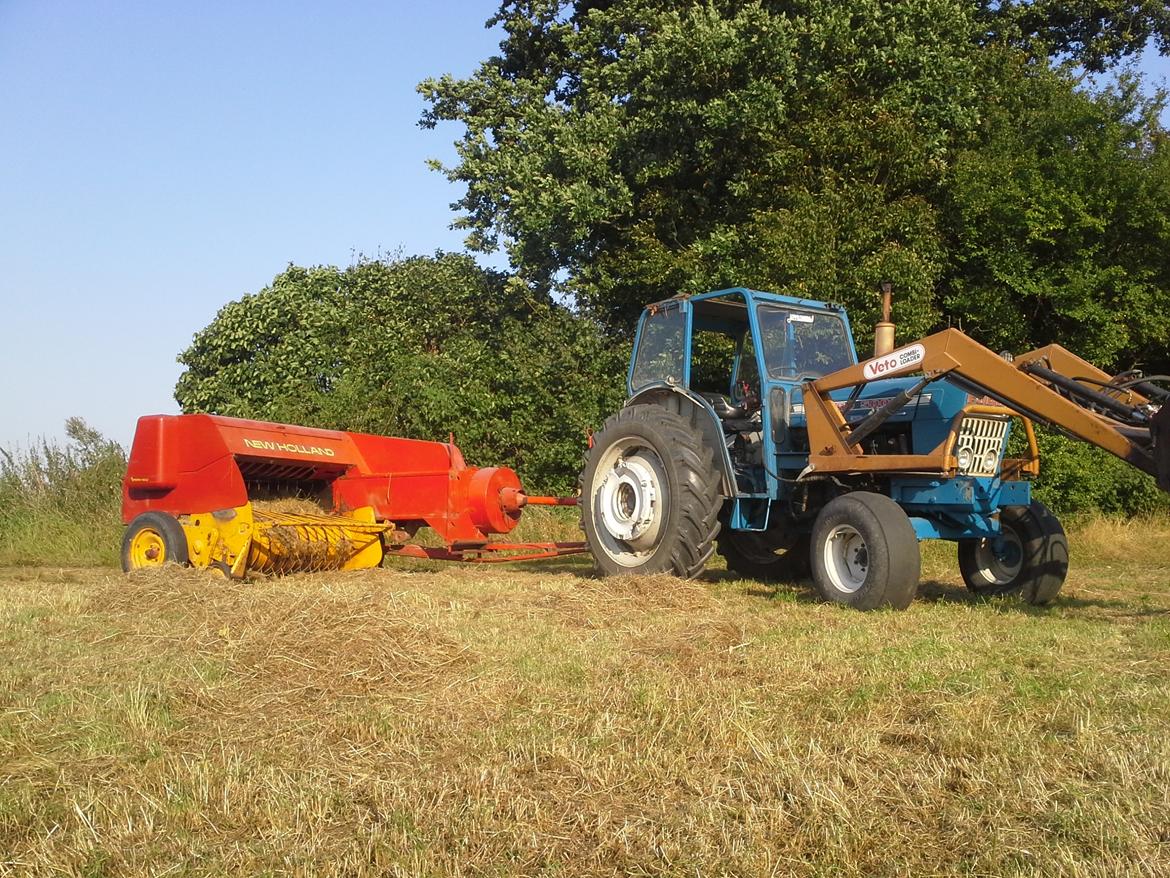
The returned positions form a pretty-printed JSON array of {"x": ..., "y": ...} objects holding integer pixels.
[
  {"x": 895, "y": 563},
  {"x": 1045, "y": 563},
  {"x": 694, "y": 487},
  {"x": 166, "y": 526},
  {"x": 745, "y": 560}
]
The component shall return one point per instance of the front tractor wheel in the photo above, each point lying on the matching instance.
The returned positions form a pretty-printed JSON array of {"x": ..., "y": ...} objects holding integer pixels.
[
  {"x": 1028, "y": 558},
  {"x": 865, "y": 552},
  {"x": 152, "y": 540},
  {"x": 650, "y": 492}
]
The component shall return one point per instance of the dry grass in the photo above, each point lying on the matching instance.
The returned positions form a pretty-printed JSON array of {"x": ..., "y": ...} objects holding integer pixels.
[{"x": 427, "y": 720}]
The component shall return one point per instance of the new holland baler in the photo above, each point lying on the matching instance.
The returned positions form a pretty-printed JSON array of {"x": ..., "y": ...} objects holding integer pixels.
[{"x": 200, "y": 490}]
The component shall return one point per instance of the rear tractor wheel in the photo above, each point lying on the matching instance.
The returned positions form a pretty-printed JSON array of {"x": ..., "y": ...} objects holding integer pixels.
[
  {"x": 152, "y": 540},
  {"x": 651, "y": 492},
  {"x": 865, "y": 552},
  {"x": 1029, "y": 558}
]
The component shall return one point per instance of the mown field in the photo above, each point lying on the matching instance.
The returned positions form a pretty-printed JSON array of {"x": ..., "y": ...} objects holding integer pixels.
[{"x": 437, "y": 720}]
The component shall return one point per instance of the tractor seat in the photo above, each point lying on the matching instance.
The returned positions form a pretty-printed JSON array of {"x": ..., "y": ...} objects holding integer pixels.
[{"x": 724, "y": 407}]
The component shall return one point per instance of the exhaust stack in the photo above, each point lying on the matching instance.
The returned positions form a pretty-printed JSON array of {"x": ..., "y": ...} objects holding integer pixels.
[{"x": 883, "y": 335}]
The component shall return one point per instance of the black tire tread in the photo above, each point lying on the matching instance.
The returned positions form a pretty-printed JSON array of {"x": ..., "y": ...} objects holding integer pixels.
[
  {"x": 899, "y": 550},
  {"x": 1045, "y": 556},
  {"x": 699, "y": 499}
]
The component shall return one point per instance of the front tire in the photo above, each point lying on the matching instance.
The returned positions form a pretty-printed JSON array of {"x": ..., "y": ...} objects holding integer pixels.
[
  {"x": 865, "y": 552},
  {"x": 1029, "y": 559},
  {"x": 153, "y": 539},
  {"x": 651, "y": 492}
]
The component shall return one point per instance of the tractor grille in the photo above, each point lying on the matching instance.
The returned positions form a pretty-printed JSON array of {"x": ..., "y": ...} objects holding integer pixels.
[{"x": 979, "y": 445}]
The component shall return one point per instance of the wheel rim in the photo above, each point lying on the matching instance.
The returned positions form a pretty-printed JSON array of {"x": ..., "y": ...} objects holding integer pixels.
[
  {"x": 999, "y": 561},
  {"x": 148, "y": 548},
  {"x": 630, "y": 501},
  {"x": 846, "y": 558}
]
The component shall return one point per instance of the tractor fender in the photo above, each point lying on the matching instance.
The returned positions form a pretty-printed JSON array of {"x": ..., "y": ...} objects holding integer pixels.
[{"x": 712, "y": 426}]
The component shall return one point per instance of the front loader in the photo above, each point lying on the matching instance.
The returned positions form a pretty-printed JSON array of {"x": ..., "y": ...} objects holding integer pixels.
[{"x": 753, "y": 429}]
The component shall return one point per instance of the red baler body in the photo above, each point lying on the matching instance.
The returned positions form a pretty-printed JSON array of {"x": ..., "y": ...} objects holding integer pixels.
[{"x": 181, "y": 464}]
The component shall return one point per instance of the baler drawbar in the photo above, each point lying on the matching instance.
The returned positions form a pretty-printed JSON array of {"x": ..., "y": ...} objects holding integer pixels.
[{"x": 205, "y": 490}]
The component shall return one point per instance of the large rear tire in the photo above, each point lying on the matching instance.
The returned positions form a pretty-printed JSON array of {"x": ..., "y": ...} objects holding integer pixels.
[
  {"x": 865, "y": 552},
  {"x": 651, "y": 492},
  {"x": 765, "y": 556},
  {"x": 1029, "y": 559}
]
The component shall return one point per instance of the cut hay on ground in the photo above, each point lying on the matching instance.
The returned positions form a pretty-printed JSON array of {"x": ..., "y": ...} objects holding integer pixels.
[{"x": 427, "y": 720}]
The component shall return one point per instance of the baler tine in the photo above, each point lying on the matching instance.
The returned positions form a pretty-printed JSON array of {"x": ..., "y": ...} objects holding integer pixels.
[
  {"x": 192, "y": 479},
  {"x": 1088, "y": 404}
]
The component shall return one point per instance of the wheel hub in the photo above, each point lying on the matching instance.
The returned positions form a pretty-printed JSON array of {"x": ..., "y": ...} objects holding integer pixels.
[
  {"x": 628, "y": 499},
  {"x": 147, "y": 549},
  {"x": 1000, "y": 559},
  {"x": 846, "y": 558}
]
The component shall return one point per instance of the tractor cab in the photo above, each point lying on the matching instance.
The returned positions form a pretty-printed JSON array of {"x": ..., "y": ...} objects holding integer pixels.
[{"x": 744, "y": 357}]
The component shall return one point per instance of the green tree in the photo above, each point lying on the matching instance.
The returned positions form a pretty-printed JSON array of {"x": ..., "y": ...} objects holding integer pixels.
[
  {"x": 1094, "y": 35},
  {"x": 1059, "y": 222},
  {"x": 413, "y": 347},
  {"x": 627, "y": 151},
  {"x": 635, "y": 150}
]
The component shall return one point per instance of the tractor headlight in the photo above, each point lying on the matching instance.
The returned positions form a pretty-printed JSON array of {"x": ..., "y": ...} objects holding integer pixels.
[
  {"x": 980, "y": 442},
  {"x": 965, "y": 457}
]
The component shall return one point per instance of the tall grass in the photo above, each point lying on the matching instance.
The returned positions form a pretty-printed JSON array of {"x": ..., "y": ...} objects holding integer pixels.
[{"x": 60, "y": 504}]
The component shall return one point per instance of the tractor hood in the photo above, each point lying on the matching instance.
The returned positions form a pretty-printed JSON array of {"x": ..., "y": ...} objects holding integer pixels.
[{"x": 939, "y": 401}]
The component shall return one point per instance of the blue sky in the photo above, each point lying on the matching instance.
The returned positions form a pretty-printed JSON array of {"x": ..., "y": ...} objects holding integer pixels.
[{"x": 161, "y": 159}]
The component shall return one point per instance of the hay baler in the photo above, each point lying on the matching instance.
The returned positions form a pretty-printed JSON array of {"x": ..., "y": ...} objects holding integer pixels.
[
  {"x": 214, "y": 492},
  {"x": 753, "y": 429}
]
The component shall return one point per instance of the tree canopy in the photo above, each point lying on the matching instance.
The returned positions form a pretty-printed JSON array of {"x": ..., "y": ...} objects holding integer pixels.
[
  {"x": 1095, "y": 35},
  {"x": 413, "y": 347},
  {"x": 626, "y": 151}
]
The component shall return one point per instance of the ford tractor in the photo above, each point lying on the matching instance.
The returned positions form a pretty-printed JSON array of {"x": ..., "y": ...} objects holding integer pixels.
[{"x": 753, "y": 429}]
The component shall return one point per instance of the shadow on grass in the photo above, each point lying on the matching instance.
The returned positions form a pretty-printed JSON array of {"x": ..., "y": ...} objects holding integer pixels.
[
  {"x": 933, "y": 591},
  {"x": 802, "y": 591}
]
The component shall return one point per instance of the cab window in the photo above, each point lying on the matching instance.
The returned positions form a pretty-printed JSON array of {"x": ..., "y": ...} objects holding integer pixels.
[{"x": 660, "y": 348}]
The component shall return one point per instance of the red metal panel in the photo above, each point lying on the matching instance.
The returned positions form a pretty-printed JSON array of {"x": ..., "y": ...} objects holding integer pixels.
[
  {"x": 193, "y": 463},
  {"x": 261, "y": 439},
  {"x": 179, "y": 463}
]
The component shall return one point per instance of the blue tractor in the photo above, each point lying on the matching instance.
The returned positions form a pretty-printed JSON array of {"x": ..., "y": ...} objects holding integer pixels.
[{"x": 753, "y": 429}]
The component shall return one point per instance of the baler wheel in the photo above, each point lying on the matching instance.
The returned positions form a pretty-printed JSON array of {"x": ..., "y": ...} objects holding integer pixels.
[
  {"x": 1030, "y": 559},
  {"x": 152, "y": 540},
  {"x": 865, "y": 552},
  {"x": 651, "y": 492},
  {"x": 757, "y": 556}
]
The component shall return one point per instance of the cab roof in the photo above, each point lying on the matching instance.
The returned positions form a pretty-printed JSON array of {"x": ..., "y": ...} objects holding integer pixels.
[{"x": 759, "y": 295}]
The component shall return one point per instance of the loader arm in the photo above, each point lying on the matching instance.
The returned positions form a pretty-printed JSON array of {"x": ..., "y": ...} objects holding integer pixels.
[{"x": 1086, "y": 404}]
